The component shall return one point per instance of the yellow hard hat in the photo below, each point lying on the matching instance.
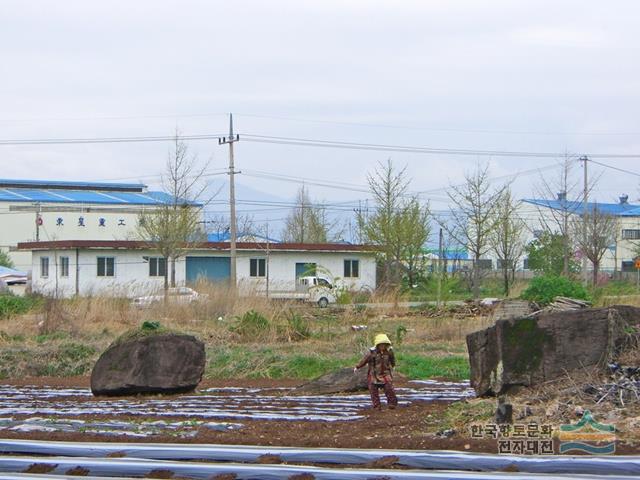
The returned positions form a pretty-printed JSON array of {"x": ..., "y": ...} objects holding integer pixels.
[{"x": 381, "y": 338}]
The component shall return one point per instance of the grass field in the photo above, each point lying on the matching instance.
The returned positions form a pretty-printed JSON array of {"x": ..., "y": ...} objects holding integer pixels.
[{"x": 247, "y": 337}]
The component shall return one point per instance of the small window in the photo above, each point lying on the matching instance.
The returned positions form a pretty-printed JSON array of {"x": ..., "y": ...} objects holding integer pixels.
[
  {"x": 106, "y": 266},
  {"x": 630, "y": 234},
  {"x": 485, "y": 264},
  {"x": 504, "y": 263},
  {"x": 44, "y": 266},
  {"x": 257, "y": 267},
  {"x": 64, "y": 266},
  {"x": 525, "y": 264},
  {"x": 628, "y": 266},
  {"x": 157, "y": 266},
  {"x": 351, "y": 268}
]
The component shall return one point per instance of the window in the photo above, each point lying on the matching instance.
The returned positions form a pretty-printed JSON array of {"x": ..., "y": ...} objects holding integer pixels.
[
  {"x": 44, "y": 266},
  {"x": 525, "y": 264},
  {"x": 106, "y": 266},
  {"x": 157, "y": 266},
  {"x": 503, "y": 264},
  {"x": 257, "y": 267},
  {"x": 485, "y": 264},
  {"x": 628, "y": 266},
  {"x": 630, "y": 234},
  {"x": 64, "y": 266},
  {"x": 351, "y": 268}
]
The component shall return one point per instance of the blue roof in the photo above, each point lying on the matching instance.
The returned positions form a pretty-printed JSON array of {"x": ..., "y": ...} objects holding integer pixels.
[
  {"x": 450, "y": 253},
  {"x": 36, "y": 191},
  {"x": 226, "y": 236},
  {"x": 572, "y": 206},
  {"x": 11, "y": 271},
  {"x": 57, "y": 184}
]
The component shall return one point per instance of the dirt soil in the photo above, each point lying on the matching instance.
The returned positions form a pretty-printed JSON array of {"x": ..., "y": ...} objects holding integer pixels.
[{"x": 401, "y": 428}]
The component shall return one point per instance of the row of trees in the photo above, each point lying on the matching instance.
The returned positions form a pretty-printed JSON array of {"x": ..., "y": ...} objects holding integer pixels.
[{"x": 482, "y": 218}]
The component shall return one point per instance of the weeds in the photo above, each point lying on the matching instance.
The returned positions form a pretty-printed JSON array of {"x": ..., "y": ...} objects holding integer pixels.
[
  {"x": 244, "y": 336},
  {"x": 12, "y": 305},
  {"x": 420, "y": 366},
  {"x": 299, "y": 328},
  {"x": 251, "y": 326}
]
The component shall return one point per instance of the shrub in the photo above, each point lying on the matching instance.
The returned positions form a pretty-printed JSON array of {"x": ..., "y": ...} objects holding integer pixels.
[
  {"x": 298, "y": 327},
  {"x": 401, "y": 332},
  {"x": 343, "y": 296},
  {"x": 251, "y": 325},
  {"x": 544, "y": 289},
  {"x": 11, "y": 305}
]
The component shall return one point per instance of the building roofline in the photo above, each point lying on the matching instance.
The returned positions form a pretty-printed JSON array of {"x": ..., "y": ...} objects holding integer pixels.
[
  {"x": 222, "y": 246},
  {"x": 63, "y": 185},
  {"x": 578, "y": 207}
]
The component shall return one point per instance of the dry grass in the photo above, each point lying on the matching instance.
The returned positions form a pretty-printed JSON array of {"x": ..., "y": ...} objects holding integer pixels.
[
  {"x": 212, "y": 319},
  {"x": 633, "y": 300},
  {"x": 68, "y": 335}
]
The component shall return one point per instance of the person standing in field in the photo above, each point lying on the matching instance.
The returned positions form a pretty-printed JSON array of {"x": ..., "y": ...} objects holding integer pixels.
[{"x": 381, "y": 361}]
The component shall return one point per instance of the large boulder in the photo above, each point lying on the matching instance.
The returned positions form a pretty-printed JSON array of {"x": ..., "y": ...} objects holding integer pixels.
[
  {"x": 530, "y": 350},
  {"x": 343, "y": 380},
  {"x": 153, "y": 363}
]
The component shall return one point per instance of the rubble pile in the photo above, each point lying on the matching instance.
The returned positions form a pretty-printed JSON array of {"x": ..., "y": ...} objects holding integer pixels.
[
  {"x": 469, "y": 308},
  {"x": 564, "y": 304},
  {"x": 622, "y": 389}
]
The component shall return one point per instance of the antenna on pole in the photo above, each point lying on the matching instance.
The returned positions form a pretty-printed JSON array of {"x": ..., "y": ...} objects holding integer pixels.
[{"x": 230, "y": 140}]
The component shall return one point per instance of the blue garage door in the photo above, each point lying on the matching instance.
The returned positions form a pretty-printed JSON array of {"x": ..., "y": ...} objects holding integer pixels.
[{"x": 213, "y": 269}]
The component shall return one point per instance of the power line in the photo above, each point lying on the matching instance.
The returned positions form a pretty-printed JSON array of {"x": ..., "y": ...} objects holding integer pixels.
[
  {"x": 73, "y": 141},
  {"x": 435, "y": 129},
  {"x": 636, "y": 174},
  {"x": 308, "y": 142}
]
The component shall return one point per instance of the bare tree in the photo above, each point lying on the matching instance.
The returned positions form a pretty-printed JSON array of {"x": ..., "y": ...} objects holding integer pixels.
[
  {"x": 596, "y": 231},
  {"x": 174, "y": 227},
  {"x": 309, "y": 222},
  {"x": 569, "y": 193},
  {"x": 472, "y": 217},
  {"x": 507, "y": 238},
  {"x": 399, "y": 223}
]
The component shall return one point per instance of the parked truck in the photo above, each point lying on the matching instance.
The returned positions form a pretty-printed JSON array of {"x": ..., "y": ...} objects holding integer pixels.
[{"x": 316, "y": 290}]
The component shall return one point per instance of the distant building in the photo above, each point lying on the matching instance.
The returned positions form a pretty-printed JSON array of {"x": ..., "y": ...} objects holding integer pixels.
[
  {"x": 621, "y": 253},
  {"x": 240, "y": 237},
  {"x": 33, "y": 210},
  {"x": 130, "y": 268}
]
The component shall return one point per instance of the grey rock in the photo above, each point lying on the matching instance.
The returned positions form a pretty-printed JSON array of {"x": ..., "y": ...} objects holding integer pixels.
[
  {"x": 163, "y": 363},
  {"x": 504, "y": 412},
  {"x": 530, "y": 350},
  {"x": 343, "y": 380}
]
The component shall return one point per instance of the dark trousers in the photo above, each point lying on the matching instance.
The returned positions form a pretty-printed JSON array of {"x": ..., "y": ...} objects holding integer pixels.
[{"x": 389, "y": 392}]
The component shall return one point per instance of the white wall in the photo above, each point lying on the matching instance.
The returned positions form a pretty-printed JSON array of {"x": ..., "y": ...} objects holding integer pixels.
[
  {"x": 20, "y": 226},
  {"x": 132, "y": 272}
]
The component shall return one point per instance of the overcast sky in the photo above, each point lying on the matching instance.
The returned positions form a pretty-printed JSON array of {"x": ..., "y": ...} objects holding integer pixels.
[{"x": 536, "y": 76}]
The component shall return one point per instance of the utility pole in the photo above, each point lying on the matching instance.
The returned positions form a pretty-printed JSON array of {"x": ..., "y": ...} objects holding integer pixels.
[
  {"x": 266, "y": 267},
  {"x": 585, "y": 196},
  {"x": 440, "y": 254},
  {"x": 38, "y": 221},
  {"x": 231, "y": 139}
]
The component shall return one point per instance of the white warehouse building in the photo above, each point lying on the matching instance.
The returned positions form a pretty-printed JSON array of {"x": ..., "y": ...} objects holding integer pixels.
[
  {"x": 34, "y": 210},
  {"x": 131, "y": 268}
]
